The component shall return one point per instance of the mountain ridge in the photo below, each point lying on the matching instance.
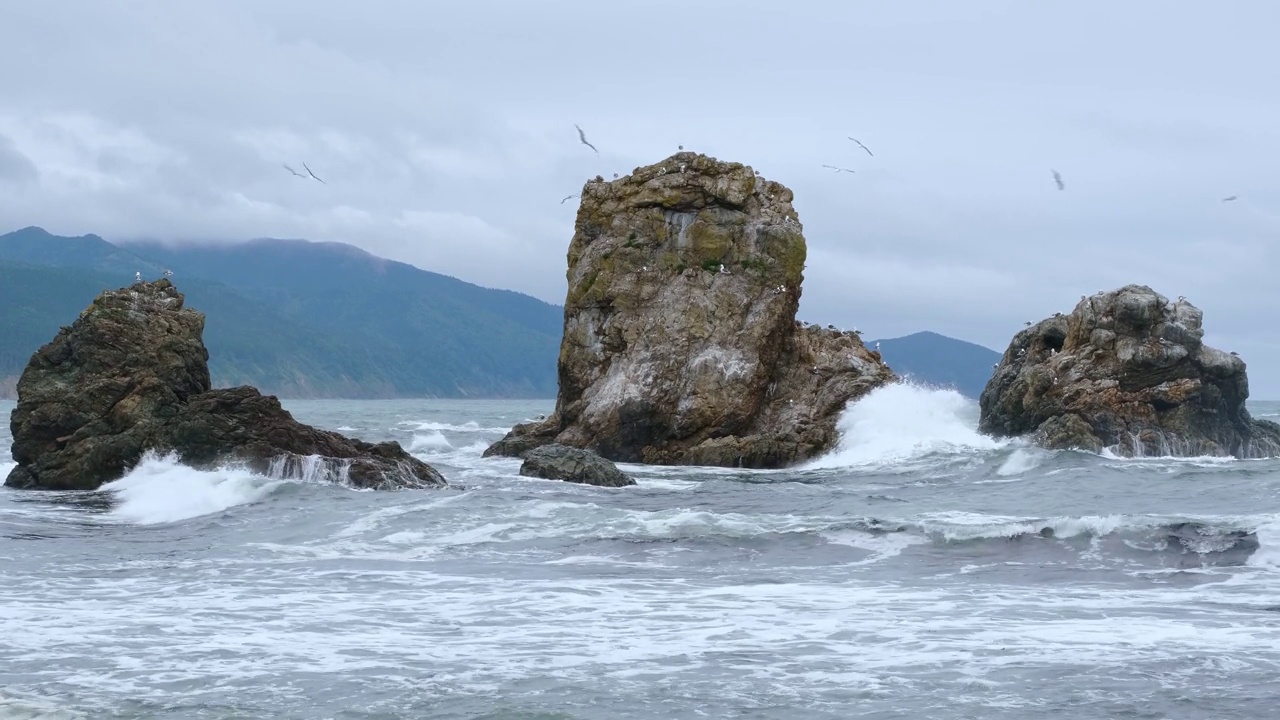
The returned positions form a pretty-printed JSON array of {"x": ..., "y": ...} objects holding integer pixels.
[
  {"x": 304, "y": 319},
  {"x": 940, "y": 361},
  {"x": 327, "y": 319}
]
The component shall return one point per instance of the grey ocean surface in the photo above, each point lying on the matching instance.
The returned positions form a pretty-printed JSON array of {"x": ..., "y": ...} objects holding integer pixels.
[{"x": 920, "y": 571}]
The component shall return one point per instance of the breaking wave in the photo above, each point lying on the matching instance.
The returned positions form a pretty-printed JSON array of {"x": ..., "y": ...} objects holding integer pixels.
[
  {"x": 902, "y": 421},
  {"x": 1137, "y": 534},
  {"x": 162, "y": 490},
  {"x": 433, "y": 441}
]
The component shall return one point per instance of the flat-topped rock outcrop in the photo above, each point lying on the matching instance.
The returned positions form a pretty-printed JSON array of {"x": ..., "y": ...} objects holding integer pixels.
[
  {"x": 131, "y": 375},
  {"x": 1126, "y": 370},
  {"x": 680, "y": 340}
]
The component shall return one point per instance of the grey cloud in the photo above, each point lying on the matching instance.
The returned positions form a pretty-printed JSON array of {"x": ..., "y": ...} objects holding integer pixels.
[
  {"x": 445, "y": 134},
  {"x": 15, "y": 168}
]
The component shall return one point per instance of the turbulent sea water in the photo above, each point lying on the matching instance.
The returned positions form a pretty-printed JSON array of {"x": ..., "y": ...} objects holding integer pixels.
[{"x": 920, "y": 571}]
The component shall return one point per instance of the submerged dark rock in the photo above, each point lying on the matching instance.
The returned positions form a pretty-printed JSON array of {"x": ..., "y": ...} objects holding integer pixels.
[
  {"x": 561, "y": 462},
  {"x": 1127, "y": 369},
  {"x": 131, "y": 375},
  {"x": 680, "y": 341}
]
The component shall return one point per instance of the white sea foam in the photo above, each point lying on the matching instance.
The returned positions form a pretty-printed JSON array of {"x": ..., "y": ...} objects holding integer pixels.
[
  {"x": 1268, "y": 554},
  {"x": 161, "y": 490},
  {"x": 432, "y": 441},
  {"x": 16, "y": 709},
  {"x": 466, "y": 427},
  {"x": 5, "y": 469},
  {"x": 1021, "y": 460},
  {"x": 902, "y": 421},
  {"x": 719, "y": 594},
  {"x": 1151, "y": 461},
  {"x": 973, "y": 526}
]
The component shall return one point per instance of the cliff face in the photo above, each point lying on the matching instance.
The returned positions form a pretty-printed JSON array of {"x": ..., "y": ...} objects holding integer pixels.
[
  {"x": 1126, "y": 369},
  {"x": 131, "y": 374},
  {"x": 680, "y": 341}
]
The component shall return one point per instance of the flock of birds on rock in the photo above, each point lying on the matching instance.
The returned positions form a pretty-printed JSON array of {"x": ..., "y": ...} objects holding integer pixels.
[{"x": 137, "y": 276}]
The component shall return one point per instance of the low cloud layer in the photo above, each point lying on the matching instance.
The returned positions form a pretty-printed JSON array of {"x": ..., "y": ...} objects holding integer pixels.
[{"x": 444, "y": 134}]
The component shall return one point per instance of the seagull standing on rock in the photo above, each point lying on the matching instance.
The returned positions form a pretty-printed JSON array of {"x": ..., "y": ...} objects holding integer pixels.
[{"x": 137, "y": 277}]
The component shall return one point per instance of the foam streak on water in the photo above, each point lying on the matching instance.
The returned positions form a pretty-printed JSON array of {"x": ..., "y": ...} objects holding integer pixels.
[{"x": 920, "y": 570}]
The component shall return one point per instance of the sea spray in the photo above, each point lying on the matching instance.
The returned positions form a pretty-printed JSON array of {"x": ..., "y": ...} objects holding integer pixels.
[
  {"x": 902, "y": 421},
  {"x": 161, "y": 490},
  {"x": 431, "y": 441}
]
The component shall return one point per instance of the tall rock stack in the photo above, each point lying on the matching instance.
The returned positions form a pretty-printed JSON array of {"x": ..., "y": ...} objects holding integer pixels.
[{"x": 680, "y": 339}]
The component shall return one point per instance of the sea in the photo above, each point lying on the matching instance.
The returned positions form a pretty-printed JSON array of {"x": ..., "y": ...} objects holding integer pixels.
[{"x": 920, "y": 570}]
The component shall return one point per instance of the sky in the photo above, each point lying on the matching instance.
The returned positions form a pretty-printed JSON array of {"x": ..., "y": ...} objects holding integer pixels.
[{"x": 444, "y": 132}]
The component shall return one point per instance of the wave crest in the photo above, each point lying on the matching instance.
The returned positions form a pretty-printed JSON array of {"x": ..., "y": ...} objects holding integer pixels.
[
  {"x": 161, "y": 490},
  {"x": 903, "y": 421}
]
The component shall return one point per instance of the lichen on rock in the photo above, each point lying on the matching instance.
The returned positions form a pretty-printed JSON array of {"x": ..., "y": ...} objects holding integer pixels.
[
  {"x": 680, "y": 342},
  {"x": 1126, "y": 370},
  {"x": 131, "y": 375}
]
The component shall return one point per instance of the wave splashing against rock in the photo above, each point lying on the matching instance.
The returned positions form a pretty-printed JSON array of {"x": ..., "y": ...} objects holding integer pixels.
[{"x": 1127, "y": 370}]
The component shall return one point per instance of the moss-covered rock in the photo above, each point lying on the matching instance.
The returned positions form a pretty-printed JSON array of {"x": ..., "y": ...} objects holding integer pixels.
[{"x": 680, "y": 341}]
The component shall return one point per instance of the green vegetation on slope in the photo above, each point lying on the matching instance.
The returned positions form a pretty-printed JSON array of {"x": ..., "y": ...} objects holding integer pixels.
[
  {"x": 39, "y": 299},
  {"x": 298, "y": 319}
]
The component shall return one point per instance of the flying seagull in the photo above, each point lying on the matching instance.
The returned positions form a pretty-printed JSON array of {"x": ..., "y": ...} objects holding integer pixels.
[
  {"x": 583, "y": 137},
  {"x": 304, "y": 165},
  {"x": 168, "y": 272},
  {"x": 838, "y": 169},
  {"x": 864, "y": 147},
  {"x": 1229, "y": 199},
  {"x": 567, "y": 198},
  {"x": 1057, "y": 178},
  {"x": 295, "y": 172}
]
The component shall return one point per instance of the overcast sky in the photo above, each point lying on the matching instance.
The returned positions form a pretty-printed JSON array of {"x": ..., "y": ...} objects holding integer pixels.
[{"x": 444, "y": 132}]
